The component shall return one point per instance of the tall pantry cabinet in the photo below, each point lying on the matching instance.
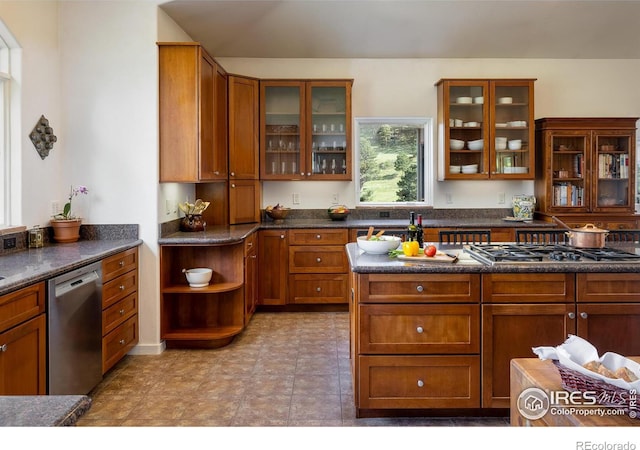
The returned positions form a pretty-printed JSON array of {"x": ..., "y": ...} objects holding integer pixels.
[{"x": 586, "y": 171}]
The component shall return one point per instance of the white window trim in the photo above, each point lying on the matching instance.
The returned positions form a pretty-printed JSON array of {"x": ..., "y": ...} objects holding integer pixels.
[{"x": 427, "y": 124}]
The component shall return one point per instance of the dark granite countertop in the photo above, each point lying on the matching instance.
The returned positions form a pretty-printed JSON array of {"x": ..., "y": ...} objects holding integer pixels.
[
  {"x": 361, "y": 262},
  {"x": 32, "y": 265},
  {"x": 42, "y": 410}
]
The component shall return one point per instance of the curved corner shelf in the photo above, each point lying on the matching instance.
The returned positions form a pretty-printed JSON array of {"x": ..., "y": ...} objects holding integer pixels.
[{"x": 215, "y": 288}]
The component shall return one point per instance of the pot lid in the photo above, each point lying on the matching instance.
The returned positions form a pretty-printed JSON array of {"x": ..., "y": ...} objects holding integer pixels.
[{"x": 591, "y": 228}]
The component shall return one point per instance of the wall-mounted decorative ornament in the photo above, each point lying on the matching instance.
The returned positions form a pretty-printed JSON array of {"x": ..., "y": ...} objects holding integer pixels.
[{"x": 42, "y": 137}]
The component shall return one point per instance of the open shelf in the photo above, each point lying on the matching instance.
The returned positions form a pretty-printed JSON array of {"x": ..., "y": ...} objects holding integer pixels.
[{"x": 211, "y": 289}]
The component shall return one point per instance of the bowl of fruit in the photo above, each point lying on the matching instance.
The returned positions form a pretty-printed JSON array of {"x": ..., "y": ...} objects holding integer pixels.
[
  {"x": 278, "y": 213},
  {"x": 339, "y": 212}
]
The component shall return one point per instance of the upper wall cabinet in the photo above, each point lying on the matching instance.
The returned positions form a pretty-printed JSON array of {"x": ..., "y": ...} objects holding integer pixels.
[
  {"x": 305, "y": 129},
  {"x": 193, "y": 114},
  {"x": 486, "y": 129}
]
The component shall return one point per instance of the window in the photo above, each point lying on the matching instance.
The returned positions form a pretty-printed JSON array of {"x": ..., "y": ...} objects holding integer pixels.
[
  {"x": 394, "y": 161},
  {"x": 9, "y": 60}
]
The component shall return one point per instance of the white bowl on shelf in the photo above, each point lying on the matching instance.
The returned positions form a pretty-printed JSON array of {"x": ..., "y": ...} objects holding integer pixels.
[
  {"x": 501, "y": 143},
  {"x": 505, "y": 100},
  {"x": 454, "y": 169},
  {"x": 471, "y": 124},
  {"x": 198, "y": 277},
  {"x": 470, "y": 168},
  {"x": 476, "y": 145},
  {"x": 456, "y": 144},
  {"x": 378, "y": 246},
  {"x": 515, "y": 144},
  {"x": 501, "y": 124},
  {"x": 478, "y": 100},
  {"x": 464, "y": 100},
  {"x": 516, "y": 169}
]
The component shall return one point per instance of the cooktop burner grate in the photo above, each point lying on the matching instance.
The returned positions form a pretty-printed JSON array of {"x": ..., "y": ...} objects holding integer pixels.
[{"x": 508, "y": 252}]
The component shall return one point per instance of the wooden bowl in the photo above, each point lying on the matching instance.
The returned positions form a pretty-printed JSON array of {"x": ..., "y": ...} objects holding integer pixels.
[{"x": 278, "y": 214}]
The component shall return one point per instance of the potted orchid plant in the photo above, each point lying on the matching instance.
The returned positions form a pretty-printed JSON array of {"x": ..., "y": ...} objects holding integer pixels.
[{"x": 66, "y": 226}]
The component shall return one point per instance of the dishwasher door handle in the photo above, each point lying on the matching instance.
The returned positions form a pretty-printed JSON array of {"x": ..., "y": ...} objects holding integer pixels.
[{"x": 76, "y": 283}]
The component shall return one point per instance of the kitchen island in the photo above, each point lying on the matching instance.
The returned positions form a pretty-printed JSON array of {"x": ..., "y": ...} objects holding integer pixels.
[
  {"x": 434, "y": 338},
  {"x": 42, "y": 410}
]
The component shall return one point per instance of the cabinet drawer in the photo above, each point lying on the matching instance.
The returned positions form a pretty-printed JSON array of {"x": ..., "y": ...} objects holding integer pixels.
[
  {"x": 318, "y": 288},
  {"x": 318, "y": 237},
  {"x": 117, "y": 343},
  {"x": 528, "y": 288},
  {"x": 250, "y": 243},
  {"x": 117, "y": 289},
  {"x": 116, "y": 265},
  {"x": 608, "y": 287},
  {"x": 419, "y": 382},
  {"x": 419, "y": 288},
  {"x": 21, "y": 305},
  {"x": 118, "y": 313},
  {"x": 419, "y": 329},
  {"x": 321, "y": 259}
]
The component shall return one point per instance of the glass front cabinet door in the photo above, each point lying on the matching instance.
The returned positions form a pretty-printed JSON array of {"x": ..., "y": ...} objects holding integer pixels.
[
  {"x": 306, "y": 130},
  {"x": 485, "y": 129}
]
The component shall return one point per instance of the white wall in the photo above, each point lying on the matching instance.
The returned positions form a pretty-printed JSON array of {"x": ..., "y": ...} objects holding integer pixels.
[{"x": 405, "y": 87}]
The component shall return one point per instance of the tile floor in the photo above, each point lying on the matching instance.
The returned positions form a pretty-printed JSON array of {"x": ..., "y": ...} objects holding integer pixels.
[{"x": 285, "y": 369}]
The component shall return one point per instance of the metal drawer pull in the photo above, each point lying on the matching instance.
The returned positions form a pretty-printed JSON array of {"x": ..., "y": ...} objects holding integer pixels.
[
  {"x": 571, "y": 315},
  {"x": 318, "y": 289},
  {"x": 3, "y": 348},
  {"x": 121, "y": 341},
  {"x": 420, "y": 383},
  {"x": 121, "y": 312},
  {"x": 419, "y": 288},
  {"x": 318, "y": 259},
  {"x": 122, "y": 287},
  {"x": 121, "y": 263},
  {"x": 584, "y": 315},
  {"x": 318, "y": 236},
  {"x": 420, "y": 330}
]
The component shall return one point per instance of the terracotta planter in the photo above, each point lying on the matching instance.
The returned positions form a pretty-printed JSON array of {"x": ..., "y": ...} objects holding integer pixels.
[{"x": 66, "y": 230}]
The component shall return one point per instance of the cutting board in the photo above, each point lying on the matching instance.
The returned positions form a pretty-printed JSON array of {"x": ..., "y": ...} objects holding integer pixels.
[{"x": 437, "y": 258}]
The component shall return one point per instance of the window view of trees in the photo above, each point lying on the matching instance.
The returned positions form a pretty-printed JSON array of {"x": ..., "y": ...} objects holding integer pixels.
[{"x": 390, "y": 162}]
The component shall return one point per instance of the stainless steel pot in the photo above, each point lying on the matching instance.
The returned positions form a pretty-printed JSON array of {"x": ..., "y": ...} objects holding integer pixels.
[{"x": 588, "y": 236}]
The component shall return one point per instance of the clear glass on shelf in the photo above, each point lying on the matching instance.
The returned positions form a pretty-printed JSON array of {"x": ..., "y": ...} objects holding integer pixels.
[
  {"x": 328, "y": 130},
  {"x": 282, "y": 131},
  {"x": 511, "y": 117}
]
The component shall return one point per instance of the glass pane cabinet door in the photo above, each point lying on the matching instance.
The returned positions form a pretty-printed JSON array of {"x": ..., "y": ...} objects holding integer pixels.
[
  {"x": 467, "y": 140},
  {"x": 283, "y": 131},
  {"x": 329, "y": 126},
  {"x": 511, "y": 118},
  {"x": 568, "y": 167},
  {"x": 612, "y": 166}
]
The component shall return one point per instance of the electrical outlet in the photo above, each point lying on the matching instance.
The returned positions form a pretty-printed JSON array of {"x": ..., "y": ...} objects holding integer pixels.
[
  {"x": 501, "y": 198},
  {"x": 384, "y": 214},
  {"x": 448, "y": 198},
  {"x": 295, "y": 198},
  {"x": 55, "y": 207},
  {"x": 335, "y": 198},
  {"x": 9, "y": 243},
  {"x": 167, "y": 207}
]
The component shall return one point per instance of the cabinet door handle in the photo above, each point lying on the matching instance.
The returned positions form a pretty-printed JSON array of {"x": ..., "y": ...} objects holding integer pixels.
[
  {"x": 282, "y": 236},
  {"x": 216, "y": 172},
  {"x": 308, "y": 174},
  {"x": 318, "y": 289},
  {"x": 233, "y": 174},
  {"x": 3, "y": 348},
  {"x": 584, "y": 315},
  {"x": 318, "y": 236},
  {"x": 420, "y": 330},
  {"x": 318, "y": 260},
  {"x": 233, "y": 185},
  {"x": 420, "y": 383},
  {"x": 121, "y": 341},
  {"x": 571, "y": 315},
  {"x": 419, "y": 288}
]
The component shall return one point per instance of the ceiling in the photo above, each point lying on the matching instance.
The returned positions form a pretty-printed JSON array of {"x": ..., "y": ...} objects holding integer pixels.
[{"x": 564, "y": 29}]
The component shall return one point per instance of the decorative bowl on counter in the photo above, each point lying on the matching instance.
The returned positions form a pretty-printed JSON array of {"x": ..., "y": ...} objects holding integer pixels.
[
  {"x": 339, "y": 212},
  {"x": 378, "y": 245},
  {"x": 277, "y": 213},
  {"x": 198, "y": 277}
]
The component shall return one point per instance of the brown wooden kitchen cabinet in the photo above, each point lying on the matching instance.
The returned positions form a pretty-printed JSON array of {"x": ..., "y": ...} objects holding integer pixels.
[
  {"x": 318, "y": 267},
  {"x": 193, "y": 114},
  {"x": 415, "y": 341},
  {"x": 245, "y": 190},
  {"x": 305, "y": 129},
  {"x": 586, "y": 171},
  {"x": 23, "y": 340},
  {"x": 207, "y": 316},
  {"x": 273, "y": 271},
  {"x": 486, "y": 129},
  {"x": 250, "y": 276},
  {"x": 119, "y": 306}
]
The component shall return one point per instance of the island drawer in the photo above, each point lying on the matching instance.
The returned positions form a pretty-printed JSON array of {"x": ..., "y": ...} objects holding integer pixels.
[
  {"x": 419, "y": 288},
  {"x": 317, "y": 259},
  {"x": 528, "y": 288},
  {"x": 608, "y": 287},
  {"x": 419, "y": 329},
  {"x": 318, "y": 237},
  {"x": 392, "y": 382},
  {"x": 318, "y": 288}
]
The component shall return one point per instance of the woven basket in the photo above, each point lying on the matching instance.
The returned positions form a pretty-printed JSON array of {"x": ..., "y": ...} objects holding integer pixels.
[{"x": 607, "y": 394}]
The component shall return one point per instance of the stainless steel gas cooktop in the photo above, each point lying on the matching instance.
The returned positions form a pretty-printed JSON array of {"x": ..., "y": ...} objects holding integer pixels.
[{"x": 531, "y": 253}]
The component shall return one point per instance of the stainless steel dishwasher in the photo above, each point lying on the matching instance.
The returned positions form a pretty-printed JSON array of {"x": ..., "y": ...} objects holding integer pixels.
[{"x": 74, "y": 323}]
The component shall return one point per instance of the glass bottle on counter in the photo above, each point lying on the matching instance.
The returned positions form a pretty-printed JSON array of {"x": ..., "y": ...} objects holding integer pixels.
[
  {"x": 412, "y": 229},
  {"x": 419, "y": 231}
]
